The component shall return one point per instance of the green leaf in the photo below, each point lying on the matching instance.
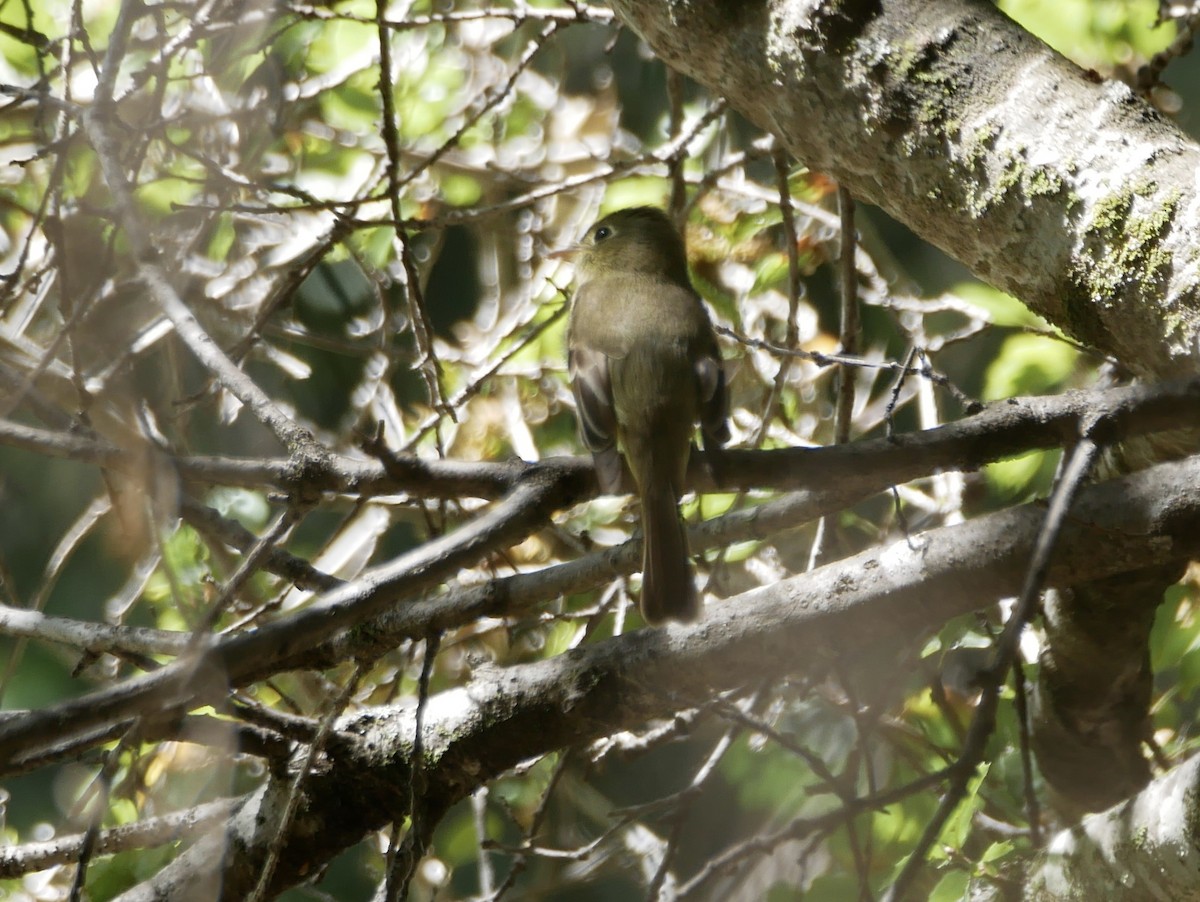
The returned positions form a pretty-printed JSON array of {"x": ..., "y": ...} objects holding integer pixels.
[
  {"x": 635, "y": 192},
  {"x": 771, "y": 272},
  {"x": 996, "y": 851},
  {"x": 958, "y": 826},
  {"x": 559, "y": 638},
  {"x": 460, "y": 190},
  {"x": 952, "y": 887},
  {"x": 1175, "y": 633},
  {"x": 1094, "y": 33},
  {"x": 248, "y": 508},
  {"x": 161, "y": 195},
  {"x": 1020, "y": 477},
  {"x": 997, "y": 307},
  {"x": 1029, "y": 365}
]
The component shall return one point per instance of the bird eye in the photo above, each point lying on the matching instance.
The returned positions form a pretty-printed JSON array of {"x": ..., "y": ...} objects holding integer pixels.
[{"x": 601, "y": 233}]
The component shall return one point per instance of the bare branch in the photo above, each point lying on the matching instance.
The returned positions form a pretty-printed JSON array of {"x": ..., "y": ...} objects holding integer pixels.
[{"x": 875, "y": 606}]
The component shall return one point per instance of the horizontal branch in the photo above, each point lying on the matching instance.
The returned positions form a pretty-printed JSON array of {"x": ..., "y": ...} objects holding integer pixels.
[
  {"x": 317, "y": 635},
  {"x": 869, "y": 612},
  {"x": 1001, "y": 430},
  {"x": 836, "y": 476}
]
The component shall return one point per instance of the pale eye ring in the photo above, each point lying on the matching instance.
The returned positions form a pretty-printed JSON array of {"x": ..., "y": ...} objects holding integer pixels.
[{"x": 601, "y": 233}]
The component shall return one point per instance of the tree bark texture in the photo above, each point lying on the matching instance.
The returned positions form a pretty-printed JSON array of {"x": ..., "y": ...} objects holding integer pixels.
[
  {"x": 1091, "y": 714},
  {"x": 1065, "y": 190},
  {"x": 869, "y": 612},
  {"x": 1145, "y": 848}
]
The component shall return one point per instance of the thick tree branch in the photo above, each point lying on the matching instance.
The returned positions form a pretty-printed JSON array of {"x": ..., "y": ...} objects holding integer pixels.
[
  {"x": 318, "y": 635},
  {"x": 1147, "y": 847},
  {"x": 1068, "y": 192},
  {"x": 867, "y": 611},
  {"x": 1003, "y": 429}
]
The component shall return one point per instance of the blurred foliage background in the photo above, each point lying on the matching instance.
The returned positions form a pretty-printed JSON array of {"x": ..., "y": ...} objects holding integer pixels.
[{"x": 257, "y": 137}]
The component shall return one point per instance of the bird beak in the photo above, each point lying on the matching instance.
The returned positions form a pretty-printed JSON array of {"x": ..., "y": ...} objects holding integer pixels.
[{"x": 567, "y": 253}]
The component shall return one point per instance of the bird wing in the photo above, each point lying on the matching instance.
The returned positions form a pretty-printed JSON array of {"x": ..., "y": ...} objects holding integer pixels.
[
  {"x": 592, "y": 386},
  {"x": 593, "y": 397},
  {"x": 714, "y": 399}
]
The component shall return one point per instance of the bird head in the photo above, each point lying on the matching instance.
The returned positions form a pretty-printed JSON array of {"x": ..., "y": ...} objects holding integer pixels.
[{"x": 637, "y": 239}]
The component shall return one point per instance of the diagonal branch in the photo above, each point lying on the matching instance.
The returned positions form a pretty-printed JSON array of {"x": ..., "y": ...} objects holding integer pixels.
[
  {"x": 204, "y": 676},
  {"x": 100, "y": 126},
  {"x": 1066, "y": 191},
  {"x": 871, "y": 608},
  {"x": 1001, "y": 430}
]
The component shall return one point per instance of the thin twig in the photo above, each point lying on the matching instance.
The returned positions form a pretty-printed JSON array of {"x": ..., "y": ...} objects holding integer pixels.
[
  {"x": 294, "y": 794},
  {"x": 1071, "y": 478},
  {"x": 795, "y": 291},
  {"x": 27, "y": 858},
  {"x": 1033, "y": 811},
  {"x": 849, "y": 327},
  {"x": 403, "y": 864},
  {"x": 521, "y": 861}
]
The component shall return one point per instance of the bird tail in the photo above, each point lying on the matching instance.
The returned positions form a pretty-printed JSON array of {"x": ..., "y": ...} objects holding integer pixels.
[{"x": 668, "y": 592}]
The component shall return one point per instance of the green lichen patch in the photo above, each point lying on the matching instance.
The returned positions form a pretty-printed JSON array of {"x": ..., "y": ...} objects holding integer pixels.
[
  {"x": 1122, "y": 256},
  {"x": 917, "y": 87},
  {"x": 1005, "y": 177}
]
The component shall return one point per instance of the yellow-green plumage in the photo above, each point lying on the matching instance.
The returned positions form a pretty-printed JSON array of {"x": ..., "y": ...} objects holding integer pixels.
[{"x": 645, "y": 368}]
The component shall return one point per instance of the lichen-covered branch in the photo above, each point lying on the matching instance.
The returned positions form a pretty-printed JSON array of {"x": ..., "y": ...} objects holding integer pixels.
[
  {"x": 867, "y": 611},
  {"x": 1067, "y": 191},
  {"x": 1092, "y": 715},
  {"x": 1144, "y": 848}
]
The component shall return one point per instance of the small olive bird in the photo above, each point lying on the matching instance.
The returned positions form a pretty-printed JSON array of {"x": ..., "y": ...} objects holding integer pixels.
[{"x": 645, "y": 367}]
